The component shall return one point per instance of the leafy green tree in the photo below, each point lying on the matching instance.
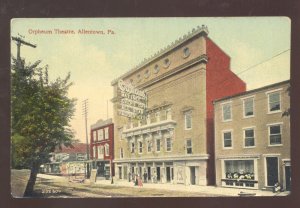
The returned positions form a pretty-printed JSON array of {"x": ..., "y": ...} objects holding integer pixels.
[{"x": 41, "y": 112}]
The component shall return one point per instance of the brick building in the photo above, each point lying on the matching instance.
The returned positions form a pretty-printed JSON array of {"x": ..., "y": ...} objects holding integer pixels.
[
  {"x": 102, "y": 148},
  {"x": 252, "y": 138},
  {"x": 174, "y": 140}
]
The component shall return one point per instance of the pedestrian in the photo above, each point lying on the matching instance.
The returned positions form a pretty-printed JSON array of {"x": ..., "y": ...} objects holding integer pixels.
[{"x": 140, "y": 183}]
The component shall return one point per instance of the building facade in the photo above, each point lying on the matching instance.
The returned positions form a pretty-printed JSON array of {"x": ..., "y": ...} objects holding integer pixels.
[
  {"x": 102, "y": 148},
  {"x": 252, "y": 138},
  {"x": 174, "y": 140}
]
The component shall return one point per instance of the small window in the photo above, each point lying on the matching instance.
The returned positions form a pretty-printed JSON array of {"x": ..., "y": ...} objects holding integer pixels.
[
  {"x": 156, "y": 69},
  {"x": 186, "y": 52},
  {"x": 157, "y": 145},
  {"x": 94, "y": 151},
  {"x": 189, "y": 147},
  {"x": 226, "y": 108},
  {"x": 227, "y": 139},
  {"x": 147, "y": 74},
  {"x": 140, "y": 147},
  {"x": 275, "y": 134},
  {"x": 168, "y": 144},
  {"x": 94, "y": 136},
  {"x": 138, "y": 78},
  {"x": 249, "y": 137},
  {"x": 188, "y": 120},
  {"x": 274, "y": 102},
  {"x": 121, "y": 153},
  {"x": 167, "y": 63},
  {"x": 120, "y": 133},
  {"x": 248, "y": 107}
]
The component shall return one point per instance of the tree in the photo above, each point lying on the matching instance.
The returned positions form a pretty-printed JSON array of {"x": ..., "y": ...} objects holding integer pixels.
[{"x": 41, "y": 112}]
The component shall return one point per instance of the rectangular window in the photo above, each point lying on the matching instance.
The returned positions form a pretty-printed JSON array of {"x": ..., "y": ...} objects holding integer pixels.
[
  {"x": 140, "y": 147},
  {"x": 121, "y": 153},
  {"x": 132, "y": 147},
  {"x": 248, "y": 107},
  {"x": 189, "y": 147},
  {"x": 149, "y": 146},
  {"x": 100, "y": 152},
  {"x": 168, "y": 144},
  {"x": 227, "y": 139},
  {"x": 120, "y": 133},
  {"x": 188, "y": 120},
  {"x": 94, "y": 136},
  {"x": 106, "y": 150},
  {"x": 100, "y": 134},
  {"x": 94, "y": 151},
  {"x": 106, "y": 134},
  {"x": 274, "y": 102},
  {"x": 157, "y": 145},
  {"x": 275, "y": 134},
  {"x": 249, "y": 137},
  {"x": 226, "y": 108}
]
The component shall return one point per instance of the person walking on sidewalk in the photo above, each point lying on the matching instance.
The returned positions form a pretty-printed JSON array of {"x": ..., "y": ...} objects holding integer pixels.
[{"x": 140, "y": 183}]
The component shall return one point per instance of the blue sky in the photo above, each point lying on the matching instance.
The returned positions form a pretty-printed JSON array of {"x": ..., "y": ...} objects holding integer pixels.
[{"x": 95, "y": 60}]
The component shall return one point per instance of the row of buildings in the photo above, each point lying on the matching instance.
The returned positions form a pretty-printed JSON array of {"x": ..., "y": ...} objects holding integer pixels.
[{"x": 183, "y": 117}]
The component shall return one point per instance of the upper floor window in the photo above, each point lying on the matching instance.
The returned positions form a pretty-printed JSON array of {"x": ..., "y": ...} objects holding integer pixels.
[
  {"x": 121, "y": 153},
  {"x": 120, "y": 131},
  {"x": 106, "y": 149},
  {"x": 274, "y": 102},
  {"x": 226, "y": 109},
  {"x": 248, "y": 104},
  {"x": 249, "y": 137},
  {"x": 227, "y": 139},
  {"x": 94, "y": 136},
  {"x": 100, "y": 134},
  {"x": 132, "y": 147},
  {"x": 140, "y": 147},
  {"x": 106, "y": 134},
  {"x": 275, "y": 134},
  {"x": 189, "y": 147},
  {"x": 157, "y": 145},
  {"x": 100, "y": 152},
  {"x": 168, "y": 144},
  {"x": 94, "y": 151},
  {"x": 188, "y": 120},
  {"x": 168, "y": 113}
]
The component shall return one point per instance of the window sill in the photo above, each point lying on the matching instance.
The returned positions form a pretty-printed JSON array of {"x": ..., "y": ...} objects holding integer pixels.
[
  {"x": 227, "y": 148},
  {"x": 226, "y": 120},
  {"x": 275, "y": 145},
  {"x": 274, "y": 112},
  {"x": 245, "y": 117},
  {"x": 251, "y": 147}
]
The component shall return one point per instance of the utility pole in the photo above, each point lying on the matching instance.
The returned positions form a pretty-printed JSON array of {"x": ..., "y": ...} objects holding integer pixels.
[
  {"x": 84, "y": 113},
  {"x": 19, "y": 41}
]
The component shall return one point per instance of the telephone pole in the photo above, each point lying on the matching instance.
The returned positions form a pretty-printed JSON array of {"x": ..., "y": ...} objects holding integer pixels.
[
  {"x": 19, "y": 41},
  {"x": 85, "y": 113}
]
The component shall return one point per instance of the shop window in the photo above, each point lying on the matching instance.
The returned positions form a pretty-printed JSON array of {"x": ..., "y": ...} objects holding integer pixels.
[
  {"x": 168, "y": 144},
  {"x": 227, "y": 138},
  {"x": 226, "y": 109},
  {"x": 249, "y": 137},
  {"x": 189, "y": 147},
  {"x": 275, "y": 134},
  {"x": 274, "y": 102},
  {"x": 239, "y": 173},
  {"x": 248, "y": 107},
  {"x": 188, "y": 120}
]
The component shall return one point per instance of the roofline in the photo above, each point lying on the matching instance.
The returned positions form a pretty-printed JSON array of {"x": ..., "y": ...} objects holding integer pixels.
[
  {"x": 198, "y": 31},
  {"x": 251, "y": 91}
]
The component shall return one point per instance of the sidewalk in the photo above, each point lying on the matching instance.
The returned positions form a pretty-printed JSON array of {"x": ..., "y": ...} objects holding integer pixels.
[{"x": 214, "y": 191}]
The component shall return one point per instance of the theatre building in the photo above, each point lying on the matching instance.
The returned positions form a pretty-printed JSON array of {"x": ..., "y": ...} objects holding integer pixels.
[
  {"x": 252, "y": 138},
  {"x": 171, "y": 141},
  {"x": 102, "y": 148}
]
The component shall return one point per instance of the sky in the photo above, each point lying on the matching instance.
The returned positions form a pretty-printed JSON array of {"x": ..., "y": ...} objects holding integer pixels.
[{"x": 258, "y": 47}]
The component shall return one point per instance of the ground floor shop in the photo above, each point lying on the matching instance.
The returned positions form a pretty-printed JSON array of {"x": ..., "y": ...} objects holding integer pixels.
[
  {"x": 188, "y": 172},
  {"x": 255, "y": 172},
  {"x": 104, "y": 169}
]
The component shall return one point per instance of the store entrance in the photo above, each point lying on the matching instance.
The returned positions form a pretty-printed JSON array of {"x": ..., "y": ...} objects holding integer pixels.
[
  {"x": 158, "y": 174},
  {"x": 193, "y": 175},
  {"x": 272, "y": 170},
  {"x": 288, "y": 178}
]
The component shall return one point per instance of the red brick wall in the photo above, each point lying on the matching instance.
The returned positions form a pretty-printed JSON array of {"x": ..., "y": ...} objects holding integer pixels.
[{"x": 220, "y": 82}]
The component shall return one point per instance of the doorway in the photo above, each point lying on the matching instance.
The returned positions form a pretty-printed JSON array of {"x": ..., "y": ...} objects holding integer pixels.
[
  {"x": 193, "y": 175},
  {"x": 168, "y": 174},
  {"x": 272, "y": 170},
  {"x": 120, "y": 172},
  {"x": 287, "y": 178},
  {"x": 149, "y": 173},
  {"x": 158, "y": 174}
]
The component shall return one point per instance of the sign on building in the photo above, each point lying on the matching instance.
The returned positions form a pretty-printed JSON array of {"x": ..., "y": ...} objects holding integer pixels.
[{"x": 133, "y": 101}]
